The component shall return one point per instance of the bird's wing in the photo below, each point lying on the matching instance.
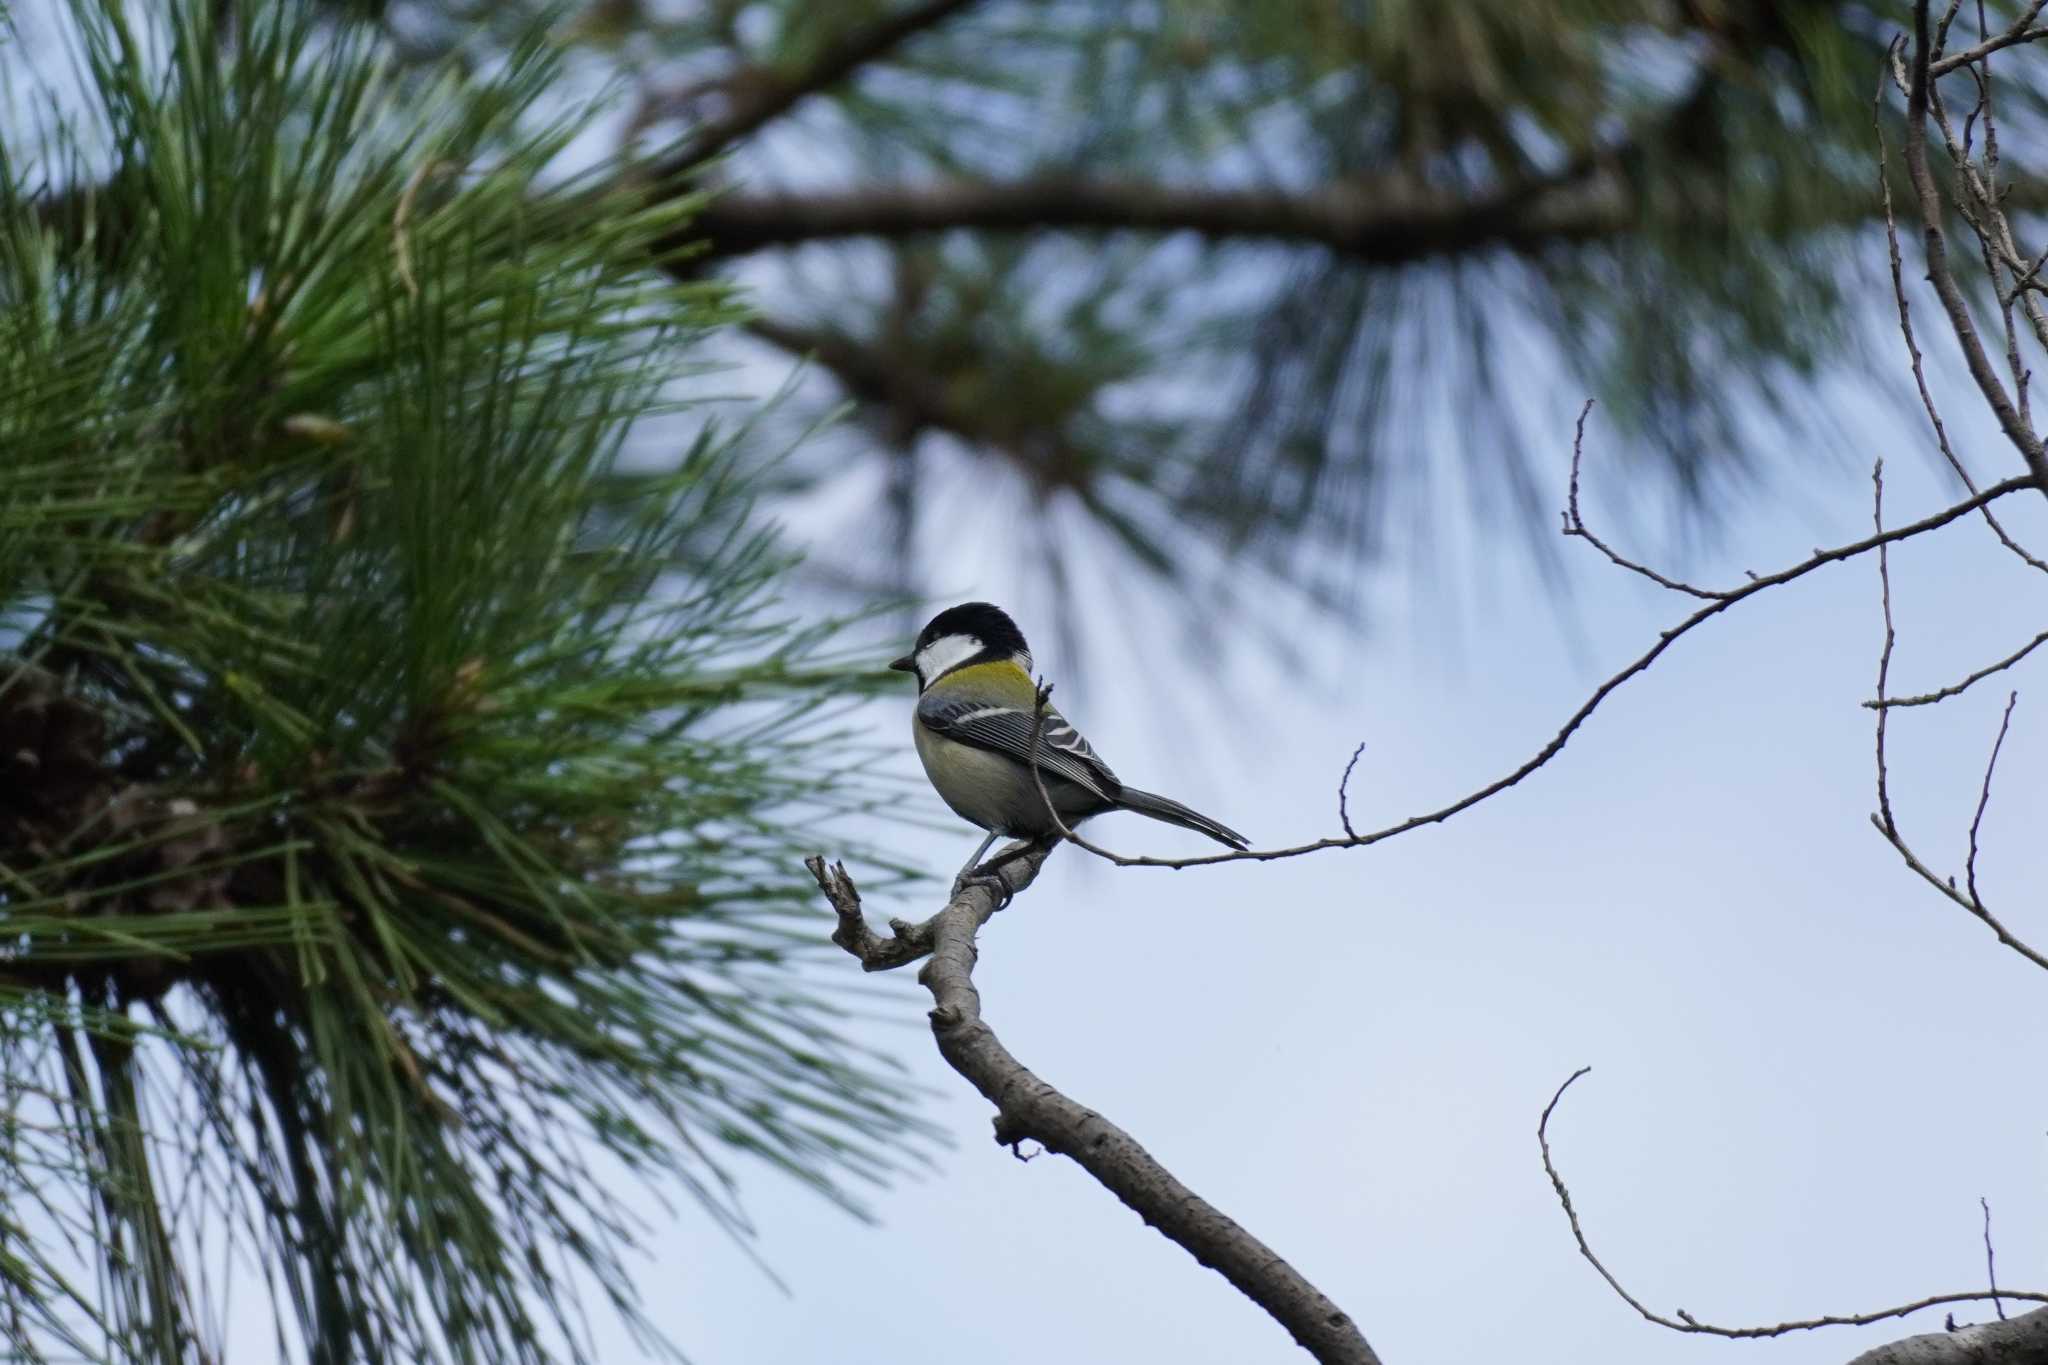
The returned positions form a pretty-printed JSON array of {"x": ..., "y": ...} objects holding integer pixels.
[{"x": 1062, "y": 752}]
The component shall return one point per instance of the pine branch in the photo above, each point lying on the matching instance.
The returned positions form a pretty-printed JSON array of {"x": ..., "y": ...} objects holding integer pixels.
[
  {"x": 1380, "y": 224},
  {"x": 1372, "y": 223},
  {"x": 768, "y": 97},
  {"x": 867, "y": 373}
]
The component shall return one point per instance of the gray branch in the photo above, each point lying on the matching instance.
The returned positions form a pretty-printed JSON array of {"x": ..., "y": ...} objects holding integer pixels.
[
  {"x": 1028, "y": 1109},
  {"x": 2023, "y": 1339}
]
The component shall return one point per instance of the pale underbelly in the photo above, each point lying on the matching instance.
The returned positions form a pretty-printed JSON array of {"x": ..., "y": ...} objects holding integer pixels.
[{"x": 996, "y": 792}]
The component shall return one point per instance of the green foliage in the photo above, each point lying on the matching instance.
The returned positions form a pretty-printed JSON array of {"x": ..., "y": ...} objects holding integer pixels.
[{"x": 399, "y": 806}]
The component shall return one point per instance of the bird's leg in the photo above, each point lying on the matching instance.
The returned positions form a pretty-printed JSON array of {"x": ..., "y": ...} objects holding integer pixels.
[
  {"x": 991, "y": 875},
  {"x": 966, "y": 873},
  {"x": 993, "y": 872}
]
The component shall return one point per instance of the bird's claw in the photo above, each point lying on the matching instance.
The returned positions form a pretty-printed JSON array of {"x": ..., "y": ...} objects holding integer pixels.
[{"x": 994, "y": 881}]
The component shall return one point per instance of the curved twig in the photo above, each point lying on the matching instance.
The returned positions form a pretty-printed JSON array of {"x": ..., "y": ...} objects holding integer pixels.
[
  {"x": 1686, "y": 1322},
  {"x": 1817, "y": 560},
  {"x": 1575, "y": 525},
  {"x": 1344, "y": 792}
]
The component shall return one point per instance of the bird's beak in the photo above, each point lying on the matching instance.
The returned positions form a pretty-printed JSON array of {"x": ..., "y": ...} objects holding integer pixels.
[{"x": 906, "y": 664}]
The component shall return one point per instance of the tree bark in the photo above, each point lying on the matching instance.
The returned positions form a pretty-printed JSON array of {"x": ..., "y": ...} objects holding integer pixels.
[
  {"x": 2021, "y": 1341},
  {"x": 1030, "y": 1109}
]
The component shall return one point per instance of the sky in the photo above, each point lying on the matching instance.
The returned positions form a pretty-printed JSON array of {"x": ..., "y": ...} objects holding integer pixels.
[{"x": 1807, "y": 1067}]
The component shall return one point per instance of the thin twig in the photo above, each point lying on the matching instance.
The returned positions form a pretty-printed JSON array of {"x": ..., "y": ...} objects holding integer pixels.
[
  {"x": 1882, "y": 818},
  {"x": 1686, "y": 1322},
  {"x": 1817, "y": 560},
  {"x": 1934, "y": 243},
  {"x": 1947, "y": 887},
  {"x": 1343, "y": 793},
  {"x": 1038, "y": 706},
  {"x": 1984, "y": 797},
  {"x": 1990, "y": 1258},
  {"x": 2018, "y": 32},
  {"x": 1884, "y": 656},
  {"x": 1891, "y": 236},
  {"x": 1575, "y": 525},
  {"x": 1956, "y": 689}
]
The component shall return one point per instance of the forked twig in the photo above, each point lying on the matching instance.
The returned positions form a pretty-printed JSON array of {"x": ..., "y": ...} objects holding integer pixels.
[
  {"x": 1819, "y": 559},
  {"x": 1686, "y": 1322}
]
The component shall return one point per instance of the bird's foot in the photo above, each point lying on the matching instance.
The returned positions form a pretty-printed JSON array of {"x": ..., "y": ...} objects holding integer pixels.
[
  {"x": 992, "y": 881},
  {"x": 990, "y": 873},
  {"x": 987, "y": 875}
]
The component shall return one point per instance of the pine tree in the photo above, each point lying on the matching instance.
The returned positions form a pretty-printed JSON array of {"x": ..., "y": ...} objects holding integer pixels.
[
  {"x": 1265, "y": 285},
  {"x": 401, "y": 793}
]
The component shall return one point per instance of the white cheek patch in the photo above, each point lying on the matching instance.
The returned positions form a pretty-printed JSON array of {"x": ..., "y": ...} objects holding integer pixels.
[{"x": 948, "y": 651}]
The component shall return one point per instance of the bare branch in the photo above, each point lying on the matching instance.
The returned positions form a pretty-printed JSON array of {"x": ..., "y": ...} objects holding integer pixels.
[
  {"x": 1891, "y": 236},
  {"x": 1883, "y": 819},
  {"x": 1884, "y": 657},
  {"x": 1575, "y": 525},
  {"x": 1947, "y": 887},
  {"x": 1686, "y": 1322},
  {"x": 907, "y": 942},
  {"x": 1934, "y": 243},
  {"x": 1343, "y": 792},
  {"x": 1984, "y": 798},
  {"x": 1030, "y": 1110},
  {"x": 1990, "y": 1258},
  {"x": 2021, "y": 31},
  {"x": 1956, "y": 689},
  {"x": 1817, "y": 560}
]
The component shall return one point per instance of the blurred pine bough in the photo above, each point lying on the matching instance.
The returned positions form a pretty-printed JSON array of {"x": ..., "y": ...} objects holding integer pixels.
[
  {"x": 1265, "y": 297},
  {"x": 399, "y": 807}
]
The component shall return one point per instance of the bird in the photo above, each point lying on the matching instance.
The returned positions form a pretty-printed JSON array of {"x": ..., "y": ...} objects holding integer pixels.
[{"x": 976, "y": 706}]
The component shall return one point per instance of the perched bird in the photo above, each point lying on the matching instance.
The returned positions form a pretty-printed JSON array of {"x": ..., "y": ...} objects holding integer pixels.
[{"x": 975, "y": 710}]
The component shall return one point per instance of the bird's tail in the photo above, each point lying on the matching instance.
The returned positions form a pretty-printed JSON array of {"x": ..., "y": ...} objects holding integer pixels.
[{"x": 1174, "y": 813}]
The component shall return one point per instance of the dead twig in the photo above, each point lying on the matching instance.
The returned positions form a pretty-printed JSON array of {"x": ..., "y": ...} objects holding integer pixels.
[
  {"x": 1990, "y": 1258},
  {"x": 1956, "y": 689},
  {"x": 1883, "y": 818},
  {"x": 1984, "y": 797},
  {"x": 1819, "y": 559},
  {"x": 1344, "y": 793},
  {"x": 1575, "y": 525},
  {"x": 1935, "y": 246},
  {"x": 1941, "y": 440},
  {"x": 1682, "y": 1321}
]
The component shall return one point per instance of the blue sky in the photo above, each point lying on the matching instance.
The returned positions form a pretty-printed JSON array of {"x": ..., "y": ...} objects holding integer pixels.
[{"x": 1807, "y": 1066}]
